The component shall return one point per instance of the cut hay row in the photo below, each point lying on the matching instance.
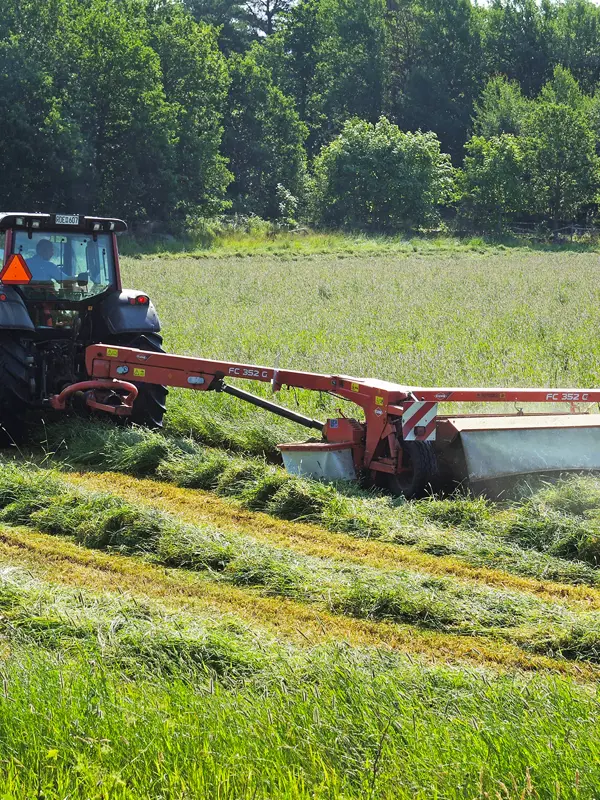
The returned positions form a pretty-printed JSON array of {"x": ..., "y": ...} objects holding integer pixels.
[
  {"x": 126, "y": 631},
  {"x": 547, "y": 538},
  {"x": 67, "y": 564},
  {"x": 311, "y": 539},
  {"x": 51, "y": 504}
]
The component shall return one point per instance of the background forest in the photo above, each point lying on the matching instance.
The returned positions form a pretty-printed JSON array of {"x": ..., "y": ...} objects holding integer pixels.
[{"x": 370, "y": 114}]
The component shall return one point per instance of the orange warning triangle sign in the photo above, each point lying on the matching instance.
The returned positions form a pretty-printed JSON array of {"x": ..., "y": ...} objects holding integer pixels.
[{"x": 15, "y": 271}]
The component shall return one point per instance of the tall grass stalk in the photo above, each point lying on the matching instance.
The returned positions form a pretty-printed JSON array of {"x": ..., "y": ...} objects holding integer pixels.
[{"x": 336, "y": 724}]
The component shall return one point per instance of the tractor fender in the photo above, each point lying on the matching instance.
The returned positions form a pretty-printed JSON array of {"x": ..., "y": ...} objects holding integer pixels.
[
  {"x": 13, "y": 311},
  {"x": 122, "y": 314}
]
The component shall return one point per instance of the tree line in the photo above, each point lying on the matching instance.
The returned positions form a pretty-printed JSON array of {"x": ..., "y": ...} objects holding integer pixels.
[{"x": 362, "y": 113}]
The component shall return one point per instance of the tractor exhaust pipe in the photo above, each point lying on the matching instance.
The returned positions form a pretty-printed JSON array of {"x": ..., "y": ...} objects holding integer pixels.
[{"x": 299, "y": 419}]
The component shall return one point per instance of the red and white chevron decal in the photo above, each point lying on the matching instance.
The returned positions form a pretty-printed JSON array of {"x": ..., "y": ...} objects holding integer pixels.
[{"x": 419, "y": 422}]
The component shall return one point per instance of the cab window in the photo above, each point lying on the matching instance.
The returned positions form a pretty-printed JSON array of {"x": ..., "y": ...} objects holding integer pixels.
[{"x": 69, "y": 266}]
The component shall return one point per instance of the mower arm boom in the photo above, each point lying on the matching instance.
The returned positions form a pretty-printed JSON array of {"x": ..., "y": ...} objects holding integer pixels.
[
  {"x": 394, "y": 415},
  {"x": 126, "y": 363}
]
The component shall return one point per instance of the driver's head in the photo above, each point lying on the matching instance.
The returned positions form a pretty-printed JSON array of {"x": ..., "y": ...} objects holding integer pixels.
[{"x": 45, "y": 249}]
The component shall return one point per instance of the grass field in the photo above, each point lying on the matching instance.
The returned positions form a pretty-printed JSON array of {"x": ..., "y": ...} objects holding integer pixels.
[
  {"x": 447, "y": 314},
  {"x": 181, "y": 619}
]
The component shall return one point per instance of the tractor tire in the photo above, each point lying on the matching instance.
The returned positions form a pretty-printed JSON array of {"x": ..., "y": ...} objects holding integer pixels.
[
  {"x": 422, "y": 461},
  {"x": 149, "y": 408},
  {"x": 15, "y": 388}
]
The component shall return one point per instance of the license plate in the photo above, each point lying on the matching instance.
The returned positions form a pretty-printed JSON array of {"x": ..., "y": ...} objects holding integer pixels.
[{"x": 67, "y": 219}]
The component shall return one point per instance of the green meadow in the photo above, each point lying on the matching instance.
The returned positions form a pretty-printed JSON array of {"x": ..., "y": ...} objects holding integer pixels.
[
  {"x": 424, "y": 313},
  {"x": 179, "y": 618}
]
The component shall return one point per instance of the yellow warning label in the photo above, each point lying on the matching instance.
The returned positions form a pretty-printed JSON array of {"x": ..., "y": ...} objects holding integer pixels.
[
  {"x": 139, "y": 373},
  {"x": 112, "y": 353},
  {"x": 379, "y": 401},
  {"x": 355, "y": 387}
]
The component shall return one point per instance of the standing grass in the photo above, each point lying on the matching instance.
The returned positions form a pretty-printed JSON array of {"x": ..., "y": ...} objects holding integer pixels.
[
  {"x": 432, "y": 315},
  {"x": 335, "y": 724},
  {"x": 126, "y": 632}
]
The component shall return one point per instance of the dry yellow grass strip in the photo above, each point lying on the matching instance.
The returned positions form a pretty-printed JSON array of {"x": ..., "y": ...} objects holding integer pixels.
[
  {"x": 204, "y": 507},
  {"x": 62, "y": 562}
]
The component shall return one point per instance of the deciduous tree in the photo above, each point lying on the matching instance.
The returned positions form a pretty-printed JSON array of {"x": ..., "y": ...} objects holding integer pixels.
[
  {"x": 495, "y": 183},
  {"x": 264, "y": 140},
  {"x": 502, "y": 108},
  {"x": 565, "y": 166},
  {"x": 230, "y": 17},
  {"x": 264, "y": 14},
  {"x": 380, "y": 178}
]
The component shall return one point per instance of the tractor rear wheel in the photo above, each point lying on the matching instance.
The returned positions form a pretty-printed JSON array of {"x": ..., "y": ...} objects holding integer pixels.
[
  {"x": 15, "y": 388},
  {"x": 420, "y": 462},
  {"x": 149, "y": 408}
]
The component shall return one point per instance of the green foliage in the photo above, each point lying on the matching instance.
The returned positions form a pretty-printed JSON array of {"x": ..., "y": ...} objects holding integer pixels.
[
  {"x": 229, "y": 17},
  {"x": 500, "y": 109},
  {"x": 564, "y": 90},
  {"x": 264, "y": 14},
  {"x": 441, "y": 74},
  {"x": 550, "y": 168},
  {"x": 495, "y": 183},
  {"x": 34, "y": 107},
  {"x": 263, "y": 140},
  {"x": 565, "y": 164},
  {"x": 577, "y": 26},
  {"x": 195, "y": 82},
  {"x": 376, "y": 176},
  {"x": 292, "y": 56},
  {"x": 519, "y": 41},
  {"x": 120, "y": 113},
  {"x": 132, "y": 109},
  {"x": 348, "y": 77}
]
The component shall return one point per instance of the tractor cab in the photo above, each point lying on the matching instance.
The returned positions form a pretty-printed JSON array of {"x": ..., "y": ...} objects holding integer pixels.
[
  {"x": 59, "y": 262},
  {"x": 60, "y": 292}
]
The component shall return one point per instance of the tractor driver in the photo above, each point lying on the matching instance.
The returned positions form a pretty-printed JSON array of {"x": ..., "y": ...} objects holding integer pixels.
[{"x": 42, "y": 268}]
